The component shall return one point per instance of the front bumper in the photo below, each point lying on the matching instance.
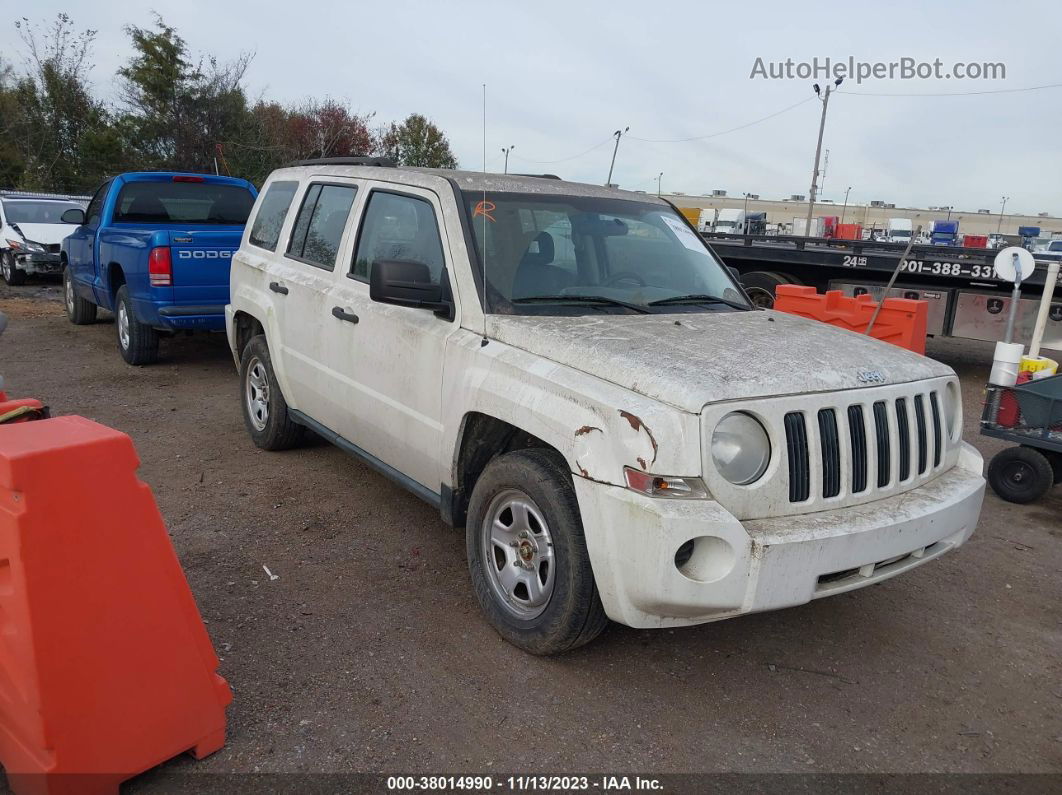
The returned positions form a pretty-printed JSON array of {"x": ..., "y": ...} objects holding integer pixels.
[
  {"x": 39, "y": 262},
  {"x": 763, "y": 564}
]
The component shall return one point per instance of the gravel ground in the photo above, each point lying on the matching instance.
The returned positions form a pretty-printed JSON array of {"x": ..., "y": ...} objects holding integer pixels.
[{"x": 369, "y": 654}]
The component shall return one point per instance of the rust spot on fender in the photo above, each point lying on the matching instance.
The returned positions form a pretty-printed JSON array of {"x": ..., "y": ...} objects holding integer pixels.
[
  {"x": 637, "y": 424},
  {"x": 586, "y": 429}
]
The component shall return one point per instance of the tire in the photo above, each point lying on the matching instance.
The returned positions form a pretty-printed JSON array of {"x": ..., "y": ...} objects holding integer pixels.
[
  {"x": 79, "y": 311},
  {"x": 266, "y": 416},
  {"x": 137, "y": 342},
  {"x": 563, "y": 610},
  {"x": 12, "y": 275},
  {"x": 760, "y": 286},
  {"x": 1020, "y": 474}
]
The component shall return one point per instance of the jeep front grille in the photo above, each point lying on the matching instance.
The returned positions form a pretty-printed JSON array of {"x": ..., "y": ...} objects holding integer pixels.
[{"x": 850, "y": 465}]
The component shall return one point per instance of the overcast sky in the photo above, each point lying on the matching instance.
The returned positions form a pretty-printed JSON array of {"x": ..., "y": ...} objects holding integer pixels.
[{"x": 562, "y": 76}]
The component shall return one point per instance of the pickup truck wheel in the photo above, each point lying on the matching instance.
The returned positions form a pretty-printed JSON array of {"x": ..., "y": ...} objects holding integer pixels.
[
  {"x": 265, "y": 412},
  {"x": 137, "y": 342},
  {"x": 79, "y": 311},
  {"x": 12, "y": 275},
  {"x": 1020, "y": 474},
  {"x": 527, "y": 554}
]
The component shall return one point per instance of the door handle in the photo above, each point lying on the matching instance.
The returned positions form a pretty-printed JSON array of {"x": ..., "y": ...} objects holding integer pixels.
[
  {"x": 342, "y": 314},
  {"x": 277, "y": 287}
]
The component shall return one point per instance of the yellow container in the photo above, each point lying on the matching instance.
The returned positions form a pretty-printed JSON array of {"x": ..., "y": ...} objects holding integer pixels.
[{"x": 1041, "y": 365}]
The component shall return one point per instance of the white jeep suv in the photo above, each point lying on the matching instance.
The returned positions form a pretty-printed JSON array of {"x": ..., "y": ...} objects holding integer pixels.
[{"x": 569, "y": 373}]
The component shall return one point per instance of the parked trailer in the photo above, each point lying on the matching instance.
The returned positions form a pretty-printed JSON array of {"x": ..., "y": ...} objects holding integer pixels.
[{"x": 965, "y": 297}]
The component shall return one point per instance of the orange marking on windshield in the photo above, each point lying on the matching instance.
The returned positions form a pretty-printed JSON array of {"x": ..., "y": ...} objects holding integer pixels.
[{"x": 484, "y": 208}]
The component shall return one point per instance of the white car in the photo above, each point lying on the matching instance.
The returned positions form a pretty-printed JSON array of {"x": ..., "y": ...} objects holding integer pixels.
[
  {"x": 568, "y": 372},
  {"x": 31, "y": 231}
]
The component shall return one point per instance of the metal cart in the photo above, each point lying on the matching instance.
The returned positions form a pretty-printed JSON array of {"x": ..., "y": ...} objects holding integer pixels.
[{"x": 1030, "y": 415}]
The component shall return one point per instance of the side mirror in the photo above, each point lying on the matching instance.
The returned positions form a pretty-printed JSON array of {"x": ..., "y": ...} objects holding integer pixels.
[
  {"x": 73, "y": 216},
  {"x": 734, "y": 272},
  {"x": 406, "y": 284}
]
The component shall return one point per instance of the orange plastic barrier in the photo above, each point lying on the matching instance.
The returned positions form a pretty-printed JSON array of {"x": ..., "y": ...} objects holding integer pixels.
[
  {"x": 106, "y": 669},
  {"x": 901, "y": 320}
]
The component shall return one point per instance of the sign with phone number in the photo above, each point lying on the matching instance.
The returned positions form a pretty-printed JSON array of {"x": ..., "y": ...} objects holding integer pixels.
[{"x": 967, "y": 270}]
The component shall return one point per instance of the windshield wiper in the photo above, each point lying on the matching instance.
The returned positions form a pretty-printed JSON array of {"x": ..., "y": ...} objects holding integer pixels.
[
  {"x": 698, "y": 298},
  {"x": 584, "y": 299}
]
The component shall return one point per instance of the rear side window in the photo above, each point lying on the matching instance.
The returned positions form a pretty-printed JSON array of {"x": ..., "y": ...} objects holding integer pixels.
[
  {"x": 320, "y": 223},
  {"x": 271, "y": 213},
  {"x": 397, "y": 227},
  {"x": 183, "y": 203}
]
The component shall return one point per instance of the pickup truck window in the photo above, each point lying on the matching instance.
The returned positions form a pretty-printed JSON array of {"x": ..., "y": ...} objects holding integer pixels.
[
  {"x": 320, "y": 223},
  {"x": 183, "y": 203},
  {"x": 625, "y": 255},
  {"x": 398, "y": 227},
  {"x": 265, "y": 233},
  {"x": 95, "y": 207}
]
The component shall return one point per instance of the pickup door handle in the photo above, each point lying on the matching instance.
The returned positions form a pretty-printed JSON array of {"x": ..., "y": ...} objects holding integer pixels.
[
  {"x": 342, "y": 314},
  {"x": 277, "y": 287}
]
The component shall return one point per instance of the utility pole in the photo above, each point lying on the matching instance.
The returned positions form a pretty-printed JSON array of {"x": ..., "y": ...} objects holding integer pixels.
[
  {"x": 845, "y": 207},
  {"x": 618, "y": 134},
  {"x": 507, "y": 151},
  {"x": 1001, "y": 209},
  {"x": 659, "y": 177},
  {"x": 949, "y": 212},
  {"x": 745, "y": 210},
  {"x": 825, "y": 99}
]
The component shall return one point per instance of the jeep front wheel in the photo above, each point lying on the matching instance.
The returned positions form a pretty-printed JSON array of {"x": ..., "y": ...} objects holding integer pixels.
[{"x": 527, "y": 554}]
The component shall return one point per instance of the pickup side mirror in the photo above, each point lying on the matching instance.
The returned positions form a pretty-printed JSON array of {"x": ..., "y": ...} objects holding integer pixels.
[
  {"x": 73, "y": 216},
  {"x": 734, "y": 272},
  {"x": 407, "y": 283}
]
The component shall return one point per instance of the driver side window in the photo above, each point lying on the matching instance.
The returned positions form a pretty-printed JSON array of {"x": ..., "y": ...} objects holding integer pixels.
[
  {"x": 94, "y": 211},
  {"x": 399, "y": 228}
]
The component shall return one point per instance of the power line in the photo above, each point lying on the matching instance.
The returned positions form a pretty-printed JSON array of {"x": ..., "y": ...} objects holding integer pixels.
[
  {"x": 564, "y": 159},
  {"x": 956, "y": 93},
  {"x": 721, "y": 132}
]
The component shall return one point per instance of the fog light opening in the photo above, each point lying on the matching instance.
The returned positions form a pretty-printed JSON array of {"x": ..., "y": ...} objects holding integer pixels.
[
  {"x": 683, "y": 554},
  {"x": 705, "y": 559}
]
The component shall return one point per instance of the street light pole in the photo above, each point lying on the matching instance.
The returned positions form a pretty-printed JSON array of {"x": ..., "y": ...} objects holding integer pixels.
[
  {"x": 949, "y": 212},
  {"x": 845, "y": 206},
  {"x": 1001, "y": 209},
  {"x": 612, "y": 165},
  {"x": 659, "y": 177},
  {"x": 825, "y": 99},
  {"x": 507, "y": 151}
]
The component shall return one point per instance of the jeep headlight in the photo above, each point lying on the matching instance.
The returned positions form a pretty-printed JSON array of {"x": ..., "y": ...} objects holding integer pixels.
[{"x": 741, "y": 449}]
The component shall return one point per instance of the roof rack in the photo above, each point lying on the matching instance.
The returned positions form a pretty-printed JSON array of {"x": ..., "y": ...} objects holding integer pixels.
[
  {"x": 538, "y": 176},
  {"x": 382, "y": 162}
]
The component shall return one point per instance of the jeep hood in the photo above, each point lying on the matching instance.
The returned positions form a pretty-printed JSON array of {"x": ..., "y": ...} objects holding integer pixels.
[{"x": 691, "y": 359}]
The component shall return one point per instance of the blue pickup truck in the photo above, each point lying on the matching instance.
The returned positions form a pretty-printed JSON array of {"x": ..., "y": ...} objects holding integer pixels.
[{"x": 155, "y": 248}]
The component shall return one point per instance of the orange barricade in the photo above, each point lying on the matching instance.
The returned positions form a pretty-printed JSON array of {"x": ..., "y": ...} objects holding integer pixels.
[
  {"x": 901, "y": 320},
  {"x": 106, "y": 669}
]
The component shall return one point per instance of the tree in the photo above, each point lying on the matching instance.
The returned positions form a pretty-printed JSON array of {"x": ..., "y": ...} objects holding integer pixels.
[
  {"x": 61, "y": 132},
  {"x": 176, "y": 112},
  {"x": 417, "y": 142}
]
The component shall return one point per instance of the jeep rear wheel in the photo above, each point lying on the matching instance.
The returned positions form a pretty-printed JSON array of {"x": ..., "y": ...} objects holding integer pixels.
[
  {"x": 265, "y": 412},
  {"x": 527, "y": 554},
  {"x": 79, "y": 311},
  {"x": 9, "y": 270}
]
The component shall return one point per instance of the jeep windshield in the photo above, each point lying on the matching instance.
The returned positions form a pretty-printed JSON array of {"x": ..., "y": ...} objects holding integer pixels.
[{"x": 563, "y": 255}]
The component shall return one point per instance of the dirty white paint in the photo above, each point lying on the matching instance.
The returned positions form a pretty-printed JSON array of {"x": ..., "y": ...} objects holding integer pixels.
[{"x": 607, "y": 392}]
